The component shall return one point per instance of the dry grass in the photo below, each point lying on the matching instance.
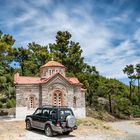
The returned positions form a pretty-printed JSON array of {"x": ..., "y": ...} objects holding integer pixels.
[
  {"x": 9, "y": 130},
  {"x": 94, "y": 126},
  {"x": 12, "y": 130}
]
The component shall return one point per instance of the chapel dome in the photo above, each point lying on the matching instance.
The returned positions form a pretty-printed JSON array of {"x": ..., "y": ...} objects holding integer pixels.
[
  {"x": 51, "y": 68},
  {"x": 53, "y": 64}
]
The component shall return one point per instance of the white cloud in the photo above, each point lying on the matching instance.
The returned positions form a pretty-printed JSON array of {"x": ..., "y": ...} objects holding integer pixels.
[
  {"x": 112, "y": 62},
  {"x": 95, "y": 38},
  {"x": 137, "y": 35}
]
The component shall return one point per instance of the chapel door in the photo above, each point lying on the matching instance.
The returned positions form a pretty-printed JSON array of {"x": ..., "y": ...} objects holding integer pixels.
[{"x": 57, "y": 98}]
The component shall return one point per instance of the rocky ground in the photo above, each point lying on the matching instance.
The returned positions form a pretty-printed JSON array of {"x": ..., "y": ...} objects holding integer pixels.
[{"x": 89, "y": 129}]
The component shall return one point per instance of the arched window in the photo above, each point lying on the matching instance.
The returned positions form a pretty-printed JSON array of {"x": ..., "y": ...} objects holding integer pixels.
[
  {"x": 74, "y": 102},
  {"x": 32, "y": 102},
  {"x": 57, "y": 98}
]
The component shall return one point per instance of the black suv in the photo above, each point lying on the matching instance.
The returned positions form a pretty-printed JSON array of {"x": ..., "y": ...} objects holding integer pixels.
[{"x": 52, "y": 120}]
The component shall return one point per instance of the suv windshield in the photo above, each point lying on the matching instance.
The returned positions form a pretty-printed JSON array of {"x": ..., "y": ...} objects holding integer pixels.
[{"x": 63, "y": 113}]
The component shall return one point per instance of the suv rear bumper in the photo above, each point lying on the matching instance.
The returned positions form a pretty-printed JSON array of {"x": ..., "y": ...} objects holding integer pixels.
[{"x": 61, "y": 130}]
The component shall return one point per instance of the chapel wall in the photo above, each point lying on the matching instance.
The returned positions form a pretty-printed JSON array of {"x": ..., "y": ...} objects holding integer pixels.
[{"x": 24, "y": 92}]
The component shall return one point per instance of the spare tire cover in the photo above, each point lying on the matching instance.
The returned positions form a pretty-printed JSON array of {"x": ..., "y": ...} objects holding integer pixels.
[{"x": 71, "y": 121}]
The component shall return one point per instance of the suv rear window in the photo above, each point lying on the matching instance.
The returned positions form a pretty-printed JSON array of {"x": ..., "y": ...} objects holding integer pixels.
[{"x": 63, "y": 113}]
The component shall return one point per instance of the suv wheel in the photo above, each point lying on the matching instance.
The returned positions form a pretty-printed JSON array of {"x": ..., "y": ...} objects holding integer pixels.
[
  {"x": 71, "y": 121},
  {"x": 28, "y": 125},
  {"x": 66, "y": 133},
  {"x": 48, "y": 131}
]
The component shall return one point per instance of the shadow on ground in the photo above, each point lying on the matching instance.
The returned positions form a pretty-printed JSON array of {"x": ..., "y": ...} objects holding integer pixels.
[{"x": 41, "y": 132}]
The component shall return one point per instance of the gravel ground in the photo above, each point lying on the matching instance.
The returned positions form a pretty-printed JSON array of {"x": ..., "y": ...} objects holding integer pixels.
[
  {"x": 129, "y": 127},
  {"x": 33, "y": 135},
  {"x": 132, "y": 130},
  {"x": 124, "y": 130},
  {"x": 15, "y": 130},
  {"x": 38, "y": 135}
]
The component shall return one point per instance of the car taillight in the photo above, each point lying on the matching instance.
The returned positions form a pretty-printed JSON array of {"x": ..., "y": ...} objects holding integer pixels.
[{"x": 58, "y": 124}]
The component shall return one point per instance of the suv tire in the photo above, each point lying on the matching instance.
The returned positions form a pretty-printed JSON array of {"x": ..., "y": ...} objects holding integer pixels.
[
  {"x": 48, "y": 131},
  {"x": 71, "y": 121},
  {"x": 28, "y": 125},
  {"x": 66, "y": 133}
]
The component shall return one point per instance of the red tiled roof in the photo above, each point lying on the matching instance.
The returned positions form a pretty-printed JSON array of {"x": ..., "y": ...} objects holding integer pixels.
[
  {"x": 73, "y": 80},
  {"x": 26, "y": 80},
  {"x": 36, "y": 80},
  {"x": 53, "y": 64}
]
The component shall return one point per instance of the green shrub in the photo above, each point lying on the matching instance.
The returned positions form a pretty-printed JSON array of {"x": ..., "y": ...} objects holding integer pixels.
[
  {"x": 10, "y": 103},
  {"x": 3, "y": 99},
  {"x": 135, "y": 110},
  {"x": 1, "y": 105},
  {"x": 124, "y": 106},
  {"x": 13, "y": 102}
]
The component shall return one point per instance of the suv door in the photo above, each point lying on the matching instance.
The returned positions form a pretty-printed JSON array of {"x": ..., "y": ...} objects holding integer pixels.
[
  {"x": 45, "y": 115},
  {"x": 53, "y": 116},
  {"x": 36, "y": 118}
]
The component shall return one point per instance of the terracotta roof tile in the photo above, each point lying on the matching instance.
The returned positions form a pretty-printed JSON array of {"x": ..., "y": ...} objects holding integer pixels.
[
  {"x": 36, "y": 80},
  {"x": 53, "y": 64},
  {"x": 73, "y": 80},
  {"x": 26, "y": 80}
]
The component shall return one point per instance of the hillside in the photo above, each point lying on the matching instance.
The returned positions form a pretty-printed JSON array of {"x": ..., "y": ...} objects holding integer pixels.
[{"x": 102, "y": 94}]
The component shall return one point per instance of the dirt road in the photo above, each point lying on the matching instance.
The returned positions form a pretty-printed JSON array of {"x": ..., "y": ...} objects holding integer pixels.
[
  {"x": 130, "y": 127},
  {"x": 15, "y": 130},
  {"x": 124, "y": 130}
]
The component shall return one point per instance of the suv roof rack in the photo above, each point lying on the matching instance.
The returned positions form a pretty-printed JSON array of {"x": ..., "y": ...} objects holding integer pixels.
[{"x": 53, "y": 106}]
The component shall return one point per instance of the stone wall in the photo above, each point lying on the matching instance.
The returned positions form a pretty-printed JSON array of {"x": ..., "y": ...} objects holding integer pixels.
[{"x": 23, "y": 92}]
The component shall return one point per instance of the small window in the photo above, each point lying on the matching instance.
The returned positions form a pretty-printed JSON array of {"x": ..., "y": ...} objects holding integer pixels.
[
  {"x": 32, "y": 102},
  {"x": 50, "y": 72},
  {"x": 74, "y": 102},
  {"x": 53, "y": 71},
  {"x": 55, "y": 99}
]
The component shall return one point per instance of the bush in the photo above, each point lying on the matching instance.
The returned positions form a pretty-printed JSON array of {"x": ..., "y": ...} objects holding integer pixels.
[
  {"x": 10, "y": 103},
  {"x": 3, "y": 99},
  {"x": 13, "y": 102},
  {"x": 135, "y": 110},
  {"x": 1, "y": 105},
  {"x": 124, "y": 106}
]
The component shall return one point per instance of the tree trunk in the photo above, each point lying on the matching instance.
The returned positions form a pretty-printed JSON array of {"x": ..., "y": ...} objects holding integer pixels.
[
  {"x": 110, "y": 104},
  {"x": 22, "y": 70},
  {"x": 130, "y": 84}
]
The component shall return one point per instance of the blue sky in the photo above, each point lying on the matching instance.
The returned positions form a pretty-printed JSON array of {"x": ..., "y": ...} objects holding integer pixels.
[{"x": 108, "y": 30}]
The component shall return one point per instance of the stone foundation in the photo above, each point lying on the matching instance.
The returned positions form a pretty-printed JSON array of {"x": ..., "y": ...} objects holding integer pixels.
[
  {"x": 79, "y": 112},
  {"x": 21, "y": 112}
]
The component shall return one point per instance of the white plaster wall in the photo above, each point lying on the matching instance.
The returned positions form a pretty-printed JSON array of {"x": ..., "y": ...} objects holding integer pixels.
[
  {"x": 79, "y": 112},
  {"x": 21, "y": 112}
]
